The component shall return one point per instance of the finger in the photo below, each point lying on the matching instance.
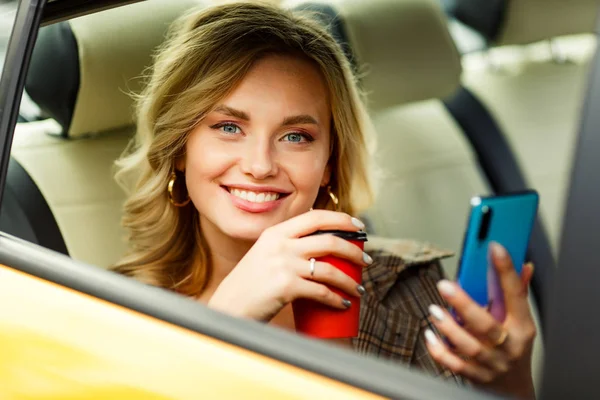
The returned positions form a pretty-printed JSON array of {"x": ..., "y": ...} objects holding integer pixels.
[
  {"x": 440, "y": 353},
  {"x": 315, "y": 220},
  {"x": 306, "y": 289},
  {"x": 330, "y": 275},
  {"x": 526, "y": 276},
  {"x": 475, "y": 318},
  {"x": 466, "y": 344},
  {"x": 514, "y": 298},
  {"x": 325, "y": 245}
]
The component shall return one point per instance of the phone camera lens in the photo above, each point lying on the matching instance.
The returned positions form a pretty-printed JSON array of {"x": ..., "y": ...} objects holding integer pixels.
[{"x": 484, "y": 227}]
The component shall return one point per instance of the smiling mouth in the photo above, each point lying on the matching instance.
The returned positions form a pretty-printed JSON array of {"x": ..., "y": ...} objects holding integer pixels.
[{"x": 255, "y": 197}]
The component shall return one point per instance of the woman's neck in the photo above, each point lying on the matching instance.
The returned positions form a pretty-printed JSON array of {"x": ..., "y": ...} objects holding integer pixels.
[{"x": 225, "y": 251}]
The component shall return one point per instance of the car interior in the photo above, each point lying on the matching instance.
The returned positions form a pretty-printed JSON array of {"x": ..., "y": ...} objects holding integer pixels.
[{"x": 442, "y": 99}]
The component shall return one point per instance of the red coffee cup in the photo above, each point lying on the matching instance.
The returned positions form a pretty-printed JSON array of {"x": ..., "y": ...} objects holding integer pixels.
[{"x": 319, "y": 320}]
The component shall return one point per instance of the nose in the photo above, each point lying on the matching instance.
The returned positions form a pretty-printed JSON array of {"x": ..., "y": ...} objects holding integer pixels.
[{"x": 259, "y": 160}]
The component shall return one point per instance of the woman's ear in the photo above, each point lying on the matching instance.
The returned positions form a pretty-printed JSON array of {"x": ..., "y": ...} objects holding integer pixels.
[
  {"x": 180, "y": 164},
  {"x": 326, "y": 176}
]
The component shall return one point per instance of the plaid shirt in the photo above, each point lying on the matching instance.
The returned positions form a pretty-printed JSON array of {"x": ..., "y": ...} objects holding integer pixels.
[{"x": 400, "y": 285}]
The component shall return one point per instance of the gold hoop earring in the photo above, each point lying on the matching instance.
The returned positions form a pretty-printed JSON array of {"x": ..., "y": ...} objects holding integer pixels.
[
  {"x": 334, "y": 198},
  {"x": 170, "y": 189}
]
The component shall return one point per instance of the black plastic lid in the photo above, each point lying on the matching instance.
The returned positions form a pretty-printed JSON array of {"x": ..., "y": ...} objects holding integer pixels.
[{"x": 360, "y": 235}]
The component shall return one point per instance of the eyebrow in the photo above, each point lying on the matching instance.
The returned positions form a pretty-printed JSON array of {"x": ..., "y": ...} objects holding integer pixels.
[
  {"x": 299, "y": 120},
  {"x": 232, "y": 112},
  {"x": 293, "y": 120}
]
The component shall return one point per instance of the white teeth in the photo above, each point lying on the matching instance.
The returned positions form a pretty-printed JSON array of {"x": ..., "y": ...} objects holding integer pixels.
[{"x": 253, "y": 196}]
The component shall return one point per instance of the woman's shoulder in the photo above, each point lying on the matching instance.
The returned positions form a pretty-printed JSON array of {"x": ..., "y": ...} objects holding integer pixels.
[
  {"x": 402, "y": 253},
  {"x": 394, "y": 260}
]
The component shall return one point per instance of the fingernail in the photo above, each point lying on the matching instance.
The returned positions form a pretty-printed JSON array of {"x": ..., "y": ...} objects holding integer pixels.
[
  {"x": 346, "y": 303},
  {"x": 361, "y": 290},
  {"x": 446, "y": 288},
  {"x": 367, "y": 258},
  {"x": 358, "y": 223},
  {"x": 431, "y": 338},
  {"x": 437, "y": 312},
  {"x": 532, "y": 266},
  {"x": 498, "y": 251}
]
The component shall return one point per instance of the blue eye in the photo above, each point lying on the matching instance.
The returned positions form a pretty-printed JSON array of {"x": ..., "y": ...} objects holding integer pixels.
[
  {"x": 230, "y": 129},
  {"x": 296, "y": 137}
]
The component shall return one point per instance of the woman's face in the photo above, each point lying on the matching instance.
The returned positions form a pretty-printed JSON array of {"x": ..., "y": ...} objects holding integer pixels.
[{"x": 262, "y": 155}]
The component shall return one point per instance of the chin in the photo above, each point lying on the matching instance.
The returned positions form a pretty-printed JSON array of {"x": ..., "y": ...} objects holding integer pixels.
[{"x": 249, "y": 233}]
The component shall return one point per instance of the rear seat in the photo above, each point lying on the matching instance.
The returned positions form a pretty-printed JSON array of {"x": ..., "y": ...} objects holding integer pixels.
[
  {"x": 80, "y": 73},
  {"x": 533, "y": 81}
]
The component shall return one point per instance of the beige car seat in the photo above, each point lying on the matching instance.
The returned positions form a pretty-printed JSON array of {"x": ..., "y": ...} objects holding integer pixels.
[
  {"x": 81, "y": 75},
  {"x": 533, "y": 81}
]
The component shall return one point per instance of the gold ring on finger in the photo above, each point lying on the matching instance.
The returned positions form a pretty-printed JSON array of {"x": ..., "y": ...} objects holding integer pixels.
[{"x": 502, "y": 339}]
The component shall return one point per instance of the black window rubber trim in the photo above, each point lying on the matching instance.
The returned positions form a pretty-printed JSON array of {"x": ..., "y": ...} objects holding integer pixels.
[
  {"x": 383, "y": 378},
  {"x": 62, "y": 10},
  {"x": 14, "y": 72},
  {"x": 499, "y": 165}
]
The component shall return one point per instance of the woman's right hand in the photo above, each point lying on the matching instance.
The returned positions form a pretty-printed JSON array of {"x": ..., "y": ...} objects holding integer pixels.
[{"x": 276, "y": 270}]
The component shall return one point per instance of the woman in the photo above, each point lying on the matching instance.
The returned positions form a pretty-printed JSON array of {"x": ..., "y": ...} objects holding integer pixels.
[{"x": 252, "y": 134}]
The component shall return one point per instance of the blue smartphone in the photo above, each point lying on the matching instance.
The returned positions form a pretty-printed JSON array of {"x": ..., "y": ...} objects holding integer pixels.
[{"x": 506, "y": 219}]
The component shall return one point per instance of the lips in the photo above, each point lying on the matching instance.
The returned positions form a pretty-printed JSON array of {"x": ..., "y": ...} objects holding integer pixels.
[{"x": 255, "y": 200}]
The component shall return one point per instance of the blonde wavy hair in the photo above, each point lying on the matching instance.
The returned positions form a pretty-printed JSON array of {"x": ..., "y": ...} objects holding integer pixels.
[{"x": 206, "y": 55}]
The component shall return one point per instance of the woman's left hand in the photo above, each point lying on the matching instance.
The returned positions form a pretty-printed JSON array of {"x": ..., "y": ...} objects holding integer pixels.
[{"x": 489, "y": 353}]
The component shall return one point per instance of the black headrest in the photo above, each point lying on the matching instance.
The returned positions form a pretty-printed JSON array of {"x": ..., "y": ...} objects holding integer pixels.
[
  {"x": 485, "y": 16},
  {"x": 53, "y": 78},
  {"x": 330, "y": 18}
]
